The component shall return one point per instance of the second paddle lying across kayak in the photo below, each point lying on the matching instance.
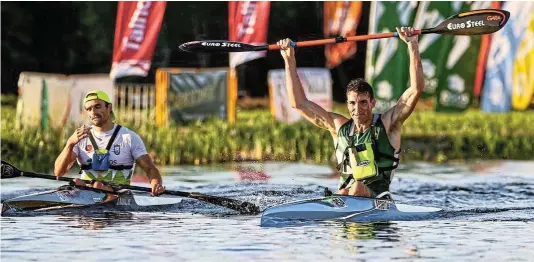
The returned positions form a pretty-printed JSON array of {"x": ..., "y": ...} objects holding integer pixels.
[
  {"x": 75, "y": 197},
  {"x": 243, "y": 207}
]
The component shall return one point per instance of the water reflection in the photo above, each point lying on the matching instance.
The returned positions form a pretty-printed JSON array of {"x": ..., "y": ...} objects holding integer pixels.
[
  {"x": 364, "y": 231},
  {"x": 99, "y": 221}
]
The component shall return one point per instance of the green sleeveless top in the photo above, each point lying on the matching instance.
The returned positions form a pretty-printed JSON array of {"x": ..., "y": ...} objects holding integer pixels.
[{"x": 385, "y": 158}]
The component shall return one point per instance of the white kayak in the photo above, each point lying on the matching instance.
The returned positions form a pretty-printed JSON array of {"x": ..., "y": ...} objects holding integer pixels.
[
  {"x": 71, "y": 197},
  {"x": 346, "y": 208}
]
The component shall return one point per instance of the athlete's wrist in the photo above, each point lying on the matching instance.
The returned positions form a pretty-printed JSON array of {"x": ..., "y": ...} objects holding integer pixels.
[
  {"x": 413, "y": 43},
  {"x": 290, "y": 62},
  {"x": 70, "y": 145}
]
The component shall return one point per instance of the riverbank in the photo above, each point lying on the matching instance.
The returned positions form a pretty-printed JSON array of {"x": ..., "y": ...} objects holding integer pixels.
[{"x": 427, "y": 136}]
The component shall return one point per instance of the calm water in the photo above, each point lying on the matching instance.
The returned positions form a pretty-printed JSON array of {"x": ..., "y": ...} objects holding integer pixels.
[{"x": 489, "y": 216}]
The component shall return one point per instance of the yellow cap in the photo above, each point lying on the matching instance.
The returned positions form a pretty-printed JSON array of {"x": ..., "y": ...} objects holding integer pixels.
[{"x": 97, "y": 94}]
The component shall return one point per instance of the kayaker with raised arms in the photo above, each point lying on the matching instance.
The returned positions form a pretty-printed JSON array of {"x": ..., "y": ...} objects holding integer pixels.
[{"x": 368, "y": 144}]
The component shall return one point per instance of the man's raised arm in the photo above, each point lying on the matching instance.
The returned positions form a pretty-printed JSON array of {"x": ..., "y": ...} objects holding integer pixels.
[
  {"x": 406, "y": 103},
  {"x": 310, "y": 110}
]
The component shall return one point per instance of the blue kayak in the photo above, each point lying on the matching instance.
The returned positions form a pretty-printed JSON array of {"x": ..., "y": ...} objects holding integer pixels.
[{"x": 347, "y": 208}]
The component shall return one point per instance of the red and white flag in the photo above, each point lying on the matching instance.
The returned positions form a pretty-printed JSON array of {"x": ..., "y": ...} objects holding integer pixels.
[
  {"x": 247, "y": 23},
  {"x": 136, "y": 34}
]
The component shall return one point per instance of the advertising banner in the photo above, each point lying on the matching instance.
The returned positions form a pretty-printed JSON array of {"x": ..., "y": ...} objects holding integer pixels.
[
  {"x": 457, "y": 75},
  {"x": 136, "y": 34},
  {"x": 387, "y": 63},
  {"x": 507, "y": 69},
  {"x": 341, "y": 18},
  {"x": 248, "y": 23},
  {"x": 197, "y": 95}
]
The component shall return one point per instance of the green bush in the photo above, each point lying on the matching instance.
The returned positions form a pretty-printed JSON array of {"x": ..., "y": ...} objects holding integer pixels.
[{"x": 256, "y": 136}]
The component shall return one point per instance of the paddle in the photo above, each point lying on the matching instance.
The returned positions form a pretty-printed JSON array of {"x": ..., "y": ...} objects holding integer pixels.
[
  {"x": 476, "y": 22},
  {"x": 10, "y": 171}
]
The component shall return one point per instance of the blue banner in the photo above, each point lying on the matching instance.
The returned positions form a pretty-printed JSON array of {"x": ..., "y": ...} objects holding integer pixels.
[{"x": 498, "y": 83}]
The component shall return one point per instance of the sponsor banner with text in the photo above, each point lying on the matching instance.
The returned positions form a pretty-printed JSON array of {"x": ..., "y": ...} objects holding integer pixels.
[
  {"x": 485, "y": 43},
  {"x": 340, "y": 19},
  {"x": 136, "y": 33},
  {"x": 248, "y": 23},
  {"x": 508, "y": 69},
  {"x": 523, "y": 73},
  {"x": 457, "y": 77},
  {"x": 387, "y": 61},
  {"x": 197, "y": 95},
  {"x": 434, "y": 48}
]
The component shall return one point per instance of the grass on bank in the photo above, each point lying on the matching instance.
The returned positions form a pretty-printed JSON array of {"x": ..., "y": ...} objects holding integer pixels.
[{"x": 256, "y": 136}]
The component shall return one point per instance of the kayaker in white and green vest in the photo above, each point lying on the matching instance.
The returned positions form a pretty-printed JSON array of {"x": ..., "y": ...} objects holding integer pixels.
[
  {"x": 368, "y": 144},
  {"x": 106, "y": 151}
]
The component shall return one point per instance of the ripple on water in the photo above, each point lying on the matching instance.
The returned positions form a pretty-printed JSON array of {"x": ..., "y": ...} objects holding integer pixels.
[{"x": 489, "y": 214}]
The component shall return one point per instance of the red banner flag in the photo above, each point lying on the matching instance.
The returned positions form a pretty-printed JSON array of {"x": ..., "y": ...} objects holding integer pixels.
[
  {"x": 485, "y": 44},
  {"x": 136, "y": 33},
  {"x": 340, "y": 19},
  {"x": 247, "y": 23}
]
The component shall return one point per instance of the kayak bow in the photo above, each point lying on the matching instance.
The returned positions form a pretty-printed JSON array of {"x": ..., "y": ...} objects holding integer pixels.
[{"x": 346, "y": 208}]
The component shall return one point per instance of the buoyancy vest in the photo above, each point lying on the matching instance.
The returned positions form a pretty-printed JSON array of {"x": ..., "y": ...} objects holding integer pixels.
[
  {"x": 367, "y": 157},
  {"x": 100, "y": 164}
]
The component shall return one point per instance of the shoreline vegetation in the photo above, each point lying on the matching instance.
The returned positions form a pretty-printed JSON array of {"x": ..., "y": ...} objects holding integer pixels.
[{"x": 256, "y": 136}]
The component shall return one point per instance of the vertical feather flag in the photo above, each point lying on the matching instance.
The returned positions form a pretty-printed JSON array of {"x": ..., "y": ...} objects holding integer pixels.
[
  {"x": 247, "y": 23},
  {"x": 507, "y": 68},
  {"x": 341, "y": 18},
  {"x": 483, "y": 56},
  {"x": 136, "y": 34}
]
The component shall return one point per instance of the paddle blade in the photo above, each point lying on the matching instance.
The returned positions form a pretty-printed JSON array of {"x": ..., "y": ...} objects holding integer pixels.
[
  {"x": 476, "y": 22},
  {"x": 242, "y": 207},
  {"x": 9, "y": 171},
  {"x": 219, "y": 46}
]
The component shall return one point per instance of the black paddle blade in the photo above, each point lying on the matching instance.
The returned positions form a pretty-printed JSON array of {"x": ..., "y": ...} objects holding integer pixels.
[
  {"x": 242, "y": 207},
  {"x": 9, "y": 171},
  {"x": 476, "y": 22},
  {"x": 219, "y": 46}
]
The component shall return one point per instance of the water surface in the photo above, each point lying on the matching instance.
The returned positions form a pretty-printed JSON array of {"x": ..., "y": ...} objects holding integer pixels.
[{"x": 489, "y": 214}]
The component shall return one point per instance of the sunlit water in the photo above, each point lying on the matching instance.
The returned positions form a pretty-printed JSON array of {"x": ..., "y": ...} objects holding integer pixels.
[{"x": 489, "y": 215}]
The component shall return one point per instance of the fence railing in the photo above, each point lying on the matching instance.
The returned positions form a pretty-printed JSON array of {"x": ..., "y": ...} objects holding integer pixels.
[{"x": 135, "y": 103}]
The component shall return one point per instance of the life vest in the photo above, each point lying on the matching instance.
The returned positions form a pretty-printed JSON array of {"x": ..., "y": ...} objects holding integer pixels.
[
  {"x": 100, "y": 162},
  {"x": 367, "y": 157}
]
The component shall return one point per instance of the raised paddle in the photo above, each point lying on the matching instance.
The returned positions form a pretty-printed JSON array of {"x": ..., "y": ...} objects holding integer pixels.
[
  {"x": 476, "y": 22},
  {"x": 10, "y": 171}
]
